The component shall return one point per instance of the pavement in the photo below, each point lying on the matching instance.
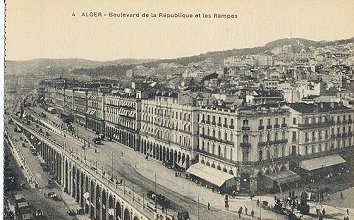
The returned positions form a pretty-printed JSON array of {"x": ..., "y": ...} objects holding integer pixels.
[
  {"x": 37, "y": 195},
  {"x": 134, "y": 161}
]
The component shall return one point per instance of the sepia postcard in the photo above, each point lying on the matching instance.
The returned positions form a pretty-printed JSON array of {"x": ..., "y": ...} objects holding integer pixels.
[{"x": 178, "y": 110}]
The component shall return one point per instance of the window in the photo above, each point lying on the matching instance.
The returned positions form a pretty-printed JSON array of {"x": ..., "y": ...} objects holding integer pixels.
[
  {"x": 208, "y": 117},
  {"x": 294, "y": 136},
  {"x": 245, "y": 156},
  {"x": 276, "y": 136},
  {"x": 245, "y": 122},
  {"x": 260, "y": 137},
  {"x": 268, "y": 121},
  {"x": 268, "y": 154},
  {"x": 294, "y": 121},
  {"x": 245, "y": 138},
  {"x": 213, "y": 119},
  {"x": 276, "y": 121},
  {"x": 225, "y": 136},
  {"x": 313, "y": 135},
  {"x": 261, "y": 122},
  {"x": 260, "y": 155},
  {"x": 268, "y": 137},
  {"x": 306, "y": 149},
  {"x": 232, "y": 122},
  {"x": 283, "y": 135},
  {"x": 284, "y": 122},
  {"x": 225, "y": 121},
  {"x": 219, "y": 120}
]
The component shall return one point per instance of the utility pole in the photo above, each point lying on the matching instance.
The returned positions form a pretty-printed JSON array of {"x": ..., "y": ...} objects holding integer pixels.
[
  {"x": 112, "y": 165},
  {"x": 155, "y": 194},
  {"x": 198, "y": 206}
]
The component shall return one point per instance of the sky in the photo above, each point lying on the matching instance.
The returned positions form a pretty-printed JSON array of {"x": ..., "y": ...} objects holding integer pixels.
[{"x": 47, "y": 29}]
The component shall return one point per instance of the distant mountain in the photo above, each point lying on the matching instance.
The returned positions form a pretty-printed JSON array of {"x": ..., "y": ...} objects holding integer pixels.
[
  {"x": 292, "y": 41},
  {"x": 78, "y": 66},
  {"x": 43, "y": 66}
]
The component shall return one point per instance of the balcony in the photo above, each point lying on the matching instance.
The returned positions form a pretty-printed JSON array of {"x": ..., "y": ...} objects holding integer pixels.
[
  {"x": 232, "y": 127},
  {"x": 269, "y": 127},
  {"x": 284, "y": 125},
  {"x": 281, "y": 141},
  {"x": 218, "y": 124},
  {"x": 276, "y": 126},
  {"x": 316, "y": 125},
  {"x": 339, "y": 135},
  {"x": 202, "y": 121},
  {"x": 261, "y": 127},
  {"x": 213, "y": 123},
  {"x": 261, "y": 144},
  {"x": 224, "y": 125},
  {"x": 245, "y": 145},
  {"x": 245, "y": 128},
  {"x": 207, "y": 122}
]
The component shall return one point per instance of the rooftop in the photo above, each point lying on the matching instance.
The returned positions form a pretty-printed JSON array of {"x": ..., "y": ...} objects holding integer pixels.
[{"x": 317, "y": 107}]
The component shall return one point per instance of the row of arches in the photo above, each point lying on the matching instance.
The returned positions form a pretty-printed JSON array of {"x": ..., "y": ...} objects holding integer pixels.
[
  {"x": 94, "y": 199},
  {"x": 165, "y": 154}
]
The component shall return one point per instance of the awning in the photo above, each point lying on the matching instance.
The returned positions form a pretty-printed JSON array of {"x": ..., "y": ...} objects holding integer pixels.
[
  {"x": 321, "y": 162},
  {"x": 284, "y": 176},
  {"x": 209, "y": 174}
]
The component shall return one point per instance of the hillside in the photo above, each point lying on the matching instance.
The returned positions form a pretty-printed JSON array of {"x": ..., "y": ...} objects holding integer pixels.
[
  {"x": 63, "y": 67},
  {"x": 44, "y": 66}
]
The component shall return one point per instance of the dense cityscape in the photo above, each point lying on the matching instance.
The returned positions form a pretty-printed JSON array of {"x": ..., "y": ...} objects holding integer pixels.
[{"x": 262, "y": 133}]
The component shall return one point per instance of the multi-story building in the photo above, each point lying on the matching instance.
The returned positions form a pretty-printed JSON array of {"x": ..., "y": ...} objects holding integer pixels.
[
  {"x": 243, "y": 146},
  {"x": 169, "y": 125},
  {"x": 318, "y": 130},
  {"x": 95, "y": 111},
  {"x": 80, "y": 106},
  {"x": 69, "y": 101},
  {"x": 122, "y": 118}
]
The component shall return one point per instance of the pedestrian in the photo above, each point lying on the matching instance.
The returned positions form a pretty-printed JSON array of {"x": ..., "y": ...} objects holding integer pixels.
[
  {"x": 246, "y": 210},
  {"x": 317, "y": 210},
  {"x": 252, "y": 213},
  {"x": 239, "y": 212},
  {"x": 323, "y": 212},
  {"x": 257, "y": 202},
  {"x": 208, "y": 206},
  {"x": 341, "y": 195},
  {"x": 329, "y": 196}
]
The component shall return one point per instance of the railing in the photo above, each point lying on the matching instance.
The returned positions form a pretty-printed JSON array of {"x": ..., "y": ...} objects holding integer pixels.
[
  {"x": 276, "y": 126},
  {"x": 245, "y": 145},
  {"x": 284, "y": 125},
  {"x": 316, "y": 125},
  {"x": 245, "y": 128},
  {"x": 261, "y": 127},
  {"x": 127, "y": 193},
  {"x": 269, "y": 127}
]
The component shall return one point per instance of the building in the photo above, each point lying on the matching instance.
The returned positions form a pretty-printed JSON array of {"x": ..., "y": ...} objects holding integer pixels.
[
  {"x": 95, "y": 110},
  {"x": 318, "y": 130},
  {"x": 244, "y": 146},
  {"x": 122, "y": 118},
  {"x": 169, "y": 125},
  {"x": 80, "y": 106}
]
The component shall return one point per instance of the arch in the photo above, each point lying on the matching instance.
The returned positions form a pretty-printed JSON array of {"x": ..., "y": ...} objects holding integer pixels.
[
  {"x": 207, "y": 163},
  {"x": 110, "y": 205},
  {"x": 231, "y": 172},
  {"x": 135, "y": 218},
  {"x": 245, "y": 181},
  {"x": 218, "y": 167},
  {"x": 224, "y": 170},
  {"x": 104, "y": 204},
  {"x": 118, "y": 211},
  {"x": 126, "y": 214},
  {"x": 213, "y": 165},
  {"x": 283, "y": 168},
  {"x": 202, "y": 161}
]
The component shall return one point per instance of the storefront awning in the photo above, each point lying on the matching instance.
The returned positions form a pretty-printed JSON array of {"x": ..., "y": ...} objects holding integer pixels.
[
  {"x": 321, "y": 162},
  {"x": 282, "y": 177},
  {"x": 209, "y": 174}
]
